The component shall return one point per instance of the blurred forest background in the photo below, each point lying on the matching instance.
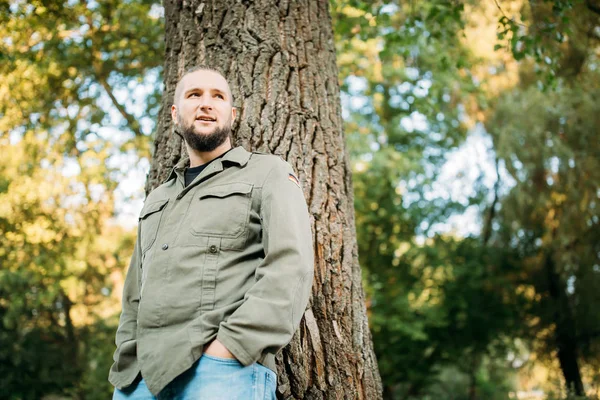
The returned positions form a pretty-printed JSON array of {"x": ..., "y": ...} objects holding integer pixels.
[{"x": 472, "y": 128}]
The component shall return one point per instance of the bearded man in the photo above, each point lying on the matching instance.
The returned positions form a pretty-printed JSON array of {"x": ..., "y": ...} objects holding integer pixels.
[{"x": 222, "y": 268}]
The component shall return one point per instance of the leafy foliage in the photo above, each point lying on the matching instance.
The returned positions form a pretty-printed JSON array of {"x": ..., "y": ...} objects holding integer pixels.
[
  {"x": 63, "y": 67},
  {"x": 440, "y": 302},
  {"x": 63, "y": 76}
]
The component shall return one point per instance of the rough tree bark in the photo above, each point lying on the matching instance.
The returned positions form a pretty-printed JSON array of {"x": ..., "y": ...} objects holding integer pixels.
[{"x": 279, "y": 58}]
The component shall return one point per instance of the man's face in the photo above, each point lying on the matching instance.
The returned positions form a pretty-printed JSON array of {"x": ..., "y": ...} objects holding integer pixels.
[{"x": 203, "y": 109}]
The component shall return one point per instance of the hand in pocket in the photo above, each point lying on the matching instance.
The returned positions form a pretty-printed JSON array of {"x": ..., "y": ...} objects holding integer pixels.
[{"x": 217, "y": 349}]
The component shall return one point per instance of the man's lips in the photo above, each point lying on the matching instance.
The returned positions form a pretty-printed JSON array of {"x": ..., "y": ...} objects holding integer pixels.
[{"x": 206, "y": 119}]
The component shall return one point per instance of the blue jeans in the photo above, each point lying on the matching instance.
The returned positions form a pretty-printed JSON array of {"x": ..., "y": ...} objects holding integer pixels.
[{"x": 211, "y": 378}]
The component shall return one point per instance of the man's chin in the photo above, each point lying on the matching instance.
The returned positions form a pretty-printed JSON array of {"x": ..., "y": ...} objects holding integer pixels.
[
  {"x": 205, "y": 139},
  {"x": 205, "y": 131}
]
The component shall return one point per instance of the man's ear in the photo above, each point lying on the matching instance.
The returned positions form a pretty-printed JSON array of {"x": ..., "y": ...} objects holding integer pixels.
[
  {"x": 233, "y": 113},
  {"x": 174, "y": 112}
]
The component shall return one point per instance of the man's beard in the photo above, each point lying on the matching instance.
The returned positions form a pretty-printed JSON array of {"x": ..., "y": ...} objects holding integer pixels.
[{"x": 204, "y": 142}]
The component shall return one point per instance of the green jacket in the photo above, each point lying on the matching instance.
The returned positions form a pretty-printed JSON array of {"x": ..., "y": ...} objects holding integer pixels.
[{"x": 229, "y": 256}]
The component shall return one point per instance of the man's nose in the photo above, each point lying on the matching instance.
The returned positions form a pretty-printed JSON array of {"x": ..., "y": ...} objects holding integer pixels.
[{"x": 206, "y": 102}]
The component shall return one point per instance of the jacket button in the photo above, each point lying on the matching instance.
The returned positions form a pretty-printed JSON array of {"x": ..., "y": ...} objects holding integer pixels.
[
  {"x": 165, "y": 246},
  {"x": 213, "y": 249}
]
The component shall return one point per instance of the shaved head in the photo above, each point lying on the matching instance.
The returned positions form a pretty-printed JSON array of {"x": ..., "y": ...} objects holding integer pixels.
[{"x": 181, "y": 84}]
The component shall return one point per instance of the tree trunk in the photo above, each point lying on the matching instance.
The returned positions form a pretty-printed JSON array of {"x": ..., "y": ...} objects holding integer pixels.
[
  {"x": 472, "y": 395},
  {"x": 279, "y": 58},
  {"x": 564, "y": 331}
]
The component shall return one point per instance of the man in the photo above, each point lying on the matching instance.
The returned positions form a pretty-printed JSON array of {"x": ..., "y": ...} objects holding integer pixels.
[{"x": 222, "y": 268}]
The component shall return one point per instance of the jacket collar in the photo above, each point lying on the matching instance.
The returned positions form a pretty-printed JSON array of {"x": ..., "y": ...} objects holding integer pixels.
[{"x": 237, "y": 155}]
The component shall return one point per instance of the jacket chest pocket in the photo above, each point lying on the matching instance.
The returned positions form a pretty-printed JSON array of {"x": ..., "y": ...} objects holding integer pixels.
[
  {"x": 223, "y": 211},
  {"x": 149, "y": 222}
]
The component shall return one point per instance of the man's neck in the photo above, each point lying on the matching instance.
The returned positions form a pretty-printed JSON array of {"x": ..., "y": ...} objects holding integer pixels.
[{"x": 202, "y": 157}]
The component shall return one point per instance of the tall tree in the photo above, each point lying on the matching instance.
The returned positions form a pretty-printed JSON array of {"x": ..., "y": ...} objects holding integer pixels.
[{"x": 279, "y": 58}]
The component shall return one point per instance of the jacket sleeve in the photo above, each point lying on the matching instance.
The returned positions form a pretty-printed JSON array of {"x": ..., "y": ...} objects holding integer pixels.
[
  {"x": 274, "y": 305},
  {"x": 125, "y": 357}
]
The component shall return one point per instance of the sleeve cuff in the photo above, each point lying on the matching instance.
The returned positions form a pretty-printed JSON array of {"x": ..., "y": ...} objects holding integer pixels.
[{"x": 234, "y": 348}]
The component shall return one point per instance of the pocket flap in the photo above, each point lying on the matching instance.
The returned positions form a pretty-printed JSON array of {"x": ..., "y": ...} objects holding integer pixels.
[
  {"x": 153, "y": 207},
  {"x": 228, "y": 189}
]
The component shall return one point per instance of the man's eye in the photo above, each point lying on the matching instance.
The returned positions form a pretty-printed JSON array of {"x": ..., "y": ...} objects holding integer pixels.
[
  {"x": 194, "y": 95},
  {"x": 219, "y": 96}
]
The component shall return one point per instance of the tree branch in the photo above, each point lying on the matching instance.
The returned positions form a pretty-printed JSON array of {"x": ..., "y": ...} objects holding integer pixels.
[
  {"x": 504, "y": 14},
  {"x": 102, "y": 79},
  {"x": 487, "y": 231},
  {"x": 131, "y": 121}
]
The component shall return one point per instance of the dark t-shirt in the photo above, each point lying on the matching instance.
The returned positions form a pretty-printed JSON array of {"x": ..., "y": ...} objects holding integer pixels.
[{"x": 193, "y": 172}]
